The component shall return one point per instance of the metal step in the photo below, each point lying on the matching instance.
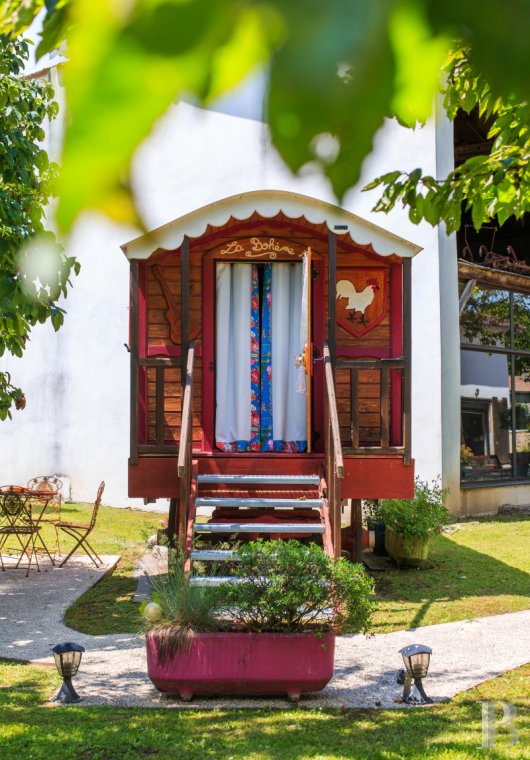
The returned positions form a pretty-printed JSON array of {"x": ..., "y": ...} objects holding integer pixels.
[
  {"x": 212, "y": 580},
  {"x": 259, "y": 528},
  {"x": 212, "y": 501},
  {"x": 274, "y": 480},
  {"x": 214, "y": 555}
]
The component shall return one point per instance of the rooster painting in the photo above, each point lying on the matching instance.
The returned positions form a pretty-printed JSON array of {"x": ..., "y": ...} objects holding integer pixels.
[{"x": 357, "y": 300}]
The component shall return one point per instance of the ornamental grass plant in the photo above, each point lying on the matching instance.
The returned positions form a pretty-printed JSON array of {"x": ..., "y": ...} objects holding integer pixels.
[{"x": 183, "y": 609}]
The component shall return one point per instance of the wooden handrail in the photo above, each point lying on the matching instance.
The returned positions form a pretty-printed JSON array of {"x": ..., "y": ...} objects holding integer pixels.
[
  {"x": 333, "y": 414},
  {"x": 334, "y": 458},
  {"x": 187, "y": 416}
]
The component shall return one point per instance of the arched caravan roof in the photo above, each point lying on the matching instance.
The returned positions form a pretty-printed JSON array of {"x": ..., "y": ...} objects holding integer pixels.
[{"x": 269, "y": 203}]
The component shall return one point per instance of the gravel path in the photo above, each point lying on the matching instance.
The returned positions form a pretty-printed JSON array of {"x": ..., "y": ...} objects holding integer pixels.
[{"x": 113, "y": 670}]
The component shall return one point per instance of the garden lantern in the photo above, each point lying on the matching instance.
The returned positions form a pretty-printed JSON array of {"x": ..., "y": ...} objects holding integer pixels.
[
  {"x": 416, "y": 658},
  {"x": 67, "y": 659}
]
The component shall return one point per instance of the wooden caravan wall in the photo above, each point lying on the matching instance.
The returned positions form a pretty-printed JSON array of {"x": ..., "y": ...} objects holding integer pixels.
[
  {"x": 162, "y": 338},
  {"x": 378, "y": 342},
  {"x": 382, "y": 338}
]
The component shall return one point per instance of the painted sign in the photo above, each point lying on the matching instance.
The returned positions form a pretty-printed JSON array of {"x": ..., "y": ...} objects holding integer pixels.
[
  {"x": 361, "y": 299},
  {"x": 257, "y": 247}
]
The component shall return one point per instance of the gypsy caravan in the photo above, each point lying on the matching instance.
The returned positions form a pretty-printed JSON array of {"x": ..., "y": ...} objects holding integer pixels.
[{"x": 270, "y": 369}]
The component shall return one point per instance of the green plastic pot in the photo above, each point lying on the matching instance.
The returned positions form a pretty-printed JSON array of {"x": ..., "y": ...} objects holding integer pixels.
[{"x": 404, "y": 550}]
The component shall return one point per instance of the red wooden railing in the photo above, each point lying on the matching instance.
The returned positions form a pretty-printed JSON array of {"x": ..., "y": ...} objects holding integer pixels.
[
  {"x": 333, "y": 454},
  {"x": 185, "y": 456},
  {"x": 400, "y": 369}
]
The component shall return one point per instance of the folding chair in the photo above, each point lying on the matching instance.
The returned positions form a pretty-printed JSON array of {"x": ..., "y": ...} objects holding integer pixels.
[
  {"x": 16, "y": 520},
  {"x": 46, "y": 486},
  {"x": 81, "y": 531}
]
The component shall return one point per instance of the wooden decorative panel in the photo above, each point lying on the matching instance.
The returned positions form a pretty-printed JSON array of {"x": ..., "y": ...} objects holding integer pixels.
[{"x": 362, "y": 301}]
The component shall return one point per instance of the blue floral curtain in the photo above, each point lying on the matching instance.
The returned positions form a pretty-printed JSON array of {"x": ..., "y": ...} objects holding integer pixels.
[{"x": 266, "y": 437}]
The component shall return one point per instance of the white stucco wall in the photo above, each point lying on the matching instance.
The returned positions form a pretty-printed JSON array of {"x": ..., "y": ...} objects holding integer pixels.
[
  {"x": 76, "y": 422},
  {"x": 77, "y": 381}
]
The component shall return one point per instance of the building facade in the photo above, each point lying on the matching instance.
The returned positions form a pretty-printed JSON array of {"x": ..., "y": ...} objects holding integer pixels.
[{"x": 77, "y": 382}]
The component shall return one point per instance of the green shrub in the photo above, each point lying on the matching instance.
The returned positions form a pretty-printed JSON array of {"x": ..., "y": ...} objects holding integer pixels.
[
  {"x": 287, "y": 586},
  {"x": 521, "y": 417},
  {"x": 421, "y": 516}
]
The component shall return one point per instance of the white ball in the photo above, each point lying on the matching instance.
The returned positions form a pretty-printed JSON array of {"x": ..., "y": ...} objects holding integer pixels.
[{"x": 153, "y": 612}]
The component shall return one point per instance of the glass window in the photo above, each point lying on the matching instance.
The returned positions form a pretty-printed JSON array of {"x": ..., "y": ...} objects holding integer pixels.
[
  {"x": 485, "y": 320},
  {"x": 495, "y": 386},
  {"x": 521, "y": 324}
]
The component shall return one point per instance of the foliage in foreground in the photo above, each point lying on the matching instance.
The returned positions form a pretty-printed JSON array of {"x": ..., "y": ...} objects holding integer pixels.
[
  {"x": 28, "y": 729},
  {"x": 335, "y": 71},
  {"x": 491, "y": 186},
  {"x": 34, "y": 271}
]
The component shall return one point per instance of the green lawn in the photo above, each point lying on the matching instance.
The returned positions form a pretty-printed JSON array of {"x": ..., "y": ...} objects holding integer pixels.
[
  {"x": 31, "y": 729},
  {"x": 480, "y": 569},
  {"x": 107, "y": 607}
]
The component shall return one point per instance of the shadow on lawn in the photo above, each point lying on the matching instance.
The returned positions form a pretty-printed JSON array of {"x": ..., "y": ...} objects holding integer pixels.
[
  {"x": 32, "y": 730},
  {"x": 457, "y": 573}
]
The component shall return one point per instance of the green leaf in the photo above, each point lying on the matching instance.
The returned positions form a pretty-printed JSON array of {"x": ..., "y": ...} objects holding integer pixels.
[
  {"x": 341, "y": 89},
  {"x": 478, "y": 212},
  {"x": 16, "y": 17},
  {"x": 124, "y": 72},
  {"x": 54, "y": 27},
  {"x": 419, "y": 56}
]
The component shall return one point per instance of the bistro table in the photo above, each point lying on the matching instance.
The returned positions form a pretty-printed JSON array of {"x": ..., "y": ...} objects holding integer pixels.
[{"x": 21, "y": 516}]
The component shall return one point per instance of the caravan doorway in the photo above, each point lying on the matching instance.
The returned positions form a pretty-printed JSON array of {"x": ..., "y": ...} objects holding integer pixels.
[{"x": 262, "y": 327}]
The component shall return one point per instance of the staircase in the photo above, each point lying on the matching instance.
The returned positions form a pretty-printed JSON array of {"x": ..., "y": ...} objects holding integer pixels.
[{"x": 226, "y": 509}]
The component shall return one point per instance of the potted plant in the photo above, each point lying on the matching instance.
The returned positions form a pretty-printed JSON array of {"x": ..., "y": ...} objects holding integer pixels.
[
  {"x": 375, "y": 522},
  {"x": 270, "y": 631},
  {"x": 411, "y": 523},
  {"x": 466, "y": 459}
]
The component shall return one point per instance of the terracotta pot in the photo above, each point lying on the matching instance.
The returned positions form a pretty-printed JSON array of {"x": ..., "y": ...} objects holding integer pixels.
[
  {"x": 406, "y": 551},
  {"x": 259, "y": 664}
]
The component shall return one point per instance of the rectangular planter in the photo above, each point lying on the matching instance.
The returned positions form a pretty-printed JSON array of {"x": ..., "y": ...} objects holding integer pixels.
[
  {"x": 251, "y": 664},
  {"x": 406, "y": 551}
]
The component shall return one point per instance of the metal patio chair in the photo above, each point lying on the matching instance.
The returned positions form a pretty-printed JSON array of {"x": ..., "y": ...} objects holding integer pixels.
[
  {"x": 81, "y": 531},
  {"x": 16, "y": 519},
  {"x": 48, "y": 487}
]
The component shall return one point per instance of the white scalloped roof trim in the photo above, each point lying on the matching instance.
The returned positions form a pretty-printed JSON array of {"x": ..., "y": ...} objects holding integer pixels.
[{"x": 269, "y": 203}]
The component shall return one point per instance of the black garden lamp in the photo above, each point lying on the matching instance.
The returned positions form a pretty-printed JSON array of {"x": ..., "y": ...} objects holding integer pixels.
[
  {"x": 416, "y": 658},
  {"x": 67, "y": 659}
]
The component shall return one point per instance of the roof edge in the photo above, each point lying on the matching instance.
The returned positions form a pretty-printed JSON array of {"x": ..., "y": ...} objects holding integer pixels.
[{"x": 268, "y": 203}]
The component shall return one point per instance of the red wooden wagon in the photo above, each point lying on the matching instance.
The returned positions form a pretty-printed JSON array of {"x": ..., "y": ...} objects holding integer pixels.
[{"x": 270, "y": 367}]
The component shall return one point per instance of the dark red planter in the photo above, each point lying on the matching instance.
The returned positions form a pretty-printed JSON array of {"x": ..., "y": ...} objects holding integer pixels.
[{"x": 250, "y": 664}]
